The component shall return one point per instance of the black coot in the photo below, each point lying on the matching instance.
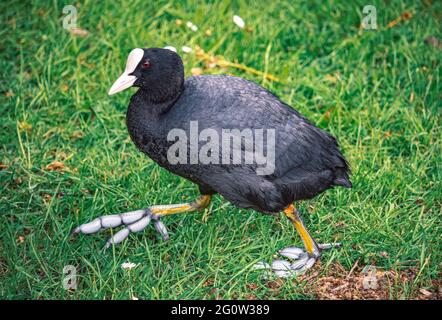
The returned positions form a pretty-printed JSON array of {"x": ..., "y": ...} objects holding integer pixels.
[{"x": 301, "y": 160}]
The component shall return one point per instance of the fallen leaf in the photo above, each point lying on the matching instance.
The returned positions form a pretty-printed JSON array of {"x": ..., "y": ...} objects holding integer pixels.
[
  {"x": 77, "y": 134},
  {"x": 199, "y": 52},
  {"x": 55, "y": 165},
  {"x": 24, "y": 126},
  {"x": 340, "y": 224},
  {"x": 275, "y": 284},
  {"x": 425, "y": 292},
  {"x": 330, "y": 78},
  {"x": 252, "y": 286},
  {"x": 327, "y": 114},
  {"x": 78, "y": 32},
  {"x": 212, "y": 61},
  {"x": 196, "y": 71},
  {"x": 208, "y": 282},
  {"x": 404, "y": 17}
]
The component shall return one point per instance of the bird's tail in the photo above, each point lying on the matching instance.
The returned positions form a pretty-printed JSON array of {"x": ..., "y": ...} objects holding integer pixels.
[{"x": 342, "y": 175}]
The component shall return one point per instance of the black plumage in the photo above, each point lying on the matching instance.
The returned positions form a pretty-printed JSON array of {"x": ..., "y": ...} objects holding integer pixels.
[{"x": 307, "y": 159}]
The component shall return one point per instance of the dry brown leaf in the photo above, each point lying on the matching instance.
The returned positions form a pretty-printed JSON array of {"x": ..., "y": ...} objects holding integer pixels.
[
  {"x": 330, "y": 78},
  {"x": 208, "y": 282},
  {"x": 79, "y": 32},
  {"x": 77, "y": 134},
  {"x": 275, "y": 284},
  {"x": 404, "y": 17},
  {"x": 212, "y": 61},
  {"x": 55, "y": 165},
  {"x": 24, "y": 126},
  {"x": 196, "y": 71},
  {"x": 425, "y": 292},
  {"x": 252, "y": 286},
  {"x": 340, "y": 223},
  {"x": 327, "y": 114},
  {"x": 199, "y": 52}
]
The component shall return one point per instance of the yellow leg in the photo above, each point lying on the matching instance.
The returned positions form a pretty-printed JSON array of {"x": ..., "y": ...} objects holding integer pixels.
[
  {"x": 309, "y": 243},
  {"x": 200, "y": 203}
]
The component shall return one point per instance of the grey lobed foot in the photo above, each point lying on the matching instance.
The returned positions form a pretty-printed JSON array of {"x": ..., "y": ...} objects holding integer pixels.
[
  {"x": 299, "y": 261},
  {"x": 134, "y": 221}
]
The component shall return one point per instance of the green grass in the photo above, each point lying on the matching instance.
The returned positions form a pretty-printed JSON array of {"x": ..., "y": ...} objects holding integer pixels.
[{"x": 378, "y": 91}]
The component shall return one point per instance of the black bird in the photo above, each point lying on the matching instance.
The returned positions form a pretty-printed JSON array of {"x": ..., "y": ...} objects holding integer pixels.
[{"x": 282, "y": 158}]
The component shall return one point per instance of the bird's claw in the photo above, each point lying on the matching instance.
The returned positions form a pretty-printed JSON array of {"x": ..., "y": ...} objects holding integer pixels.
[
  {"x": 299, "y": 261},
  {"x": 134, "y": 221}
]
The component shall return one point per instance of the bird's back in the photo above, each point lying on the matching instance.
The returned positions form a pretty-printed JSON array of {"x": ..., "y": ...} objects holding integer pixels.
[{"x": 307, "y": 159}]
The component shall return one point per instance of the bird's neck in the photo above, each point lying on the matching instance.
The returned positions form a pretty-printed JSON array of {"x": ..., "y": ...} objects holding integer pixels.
[
  {"x": 145, "y": 114},
  {"x": 145, "y": 119},
  {"x": 160, "y": 100}
]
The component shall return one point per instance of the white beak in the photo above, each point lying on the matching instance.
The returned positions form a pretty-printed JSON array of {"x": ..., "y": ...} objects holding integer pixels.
[
  {"x": 123, "y": 82},
  {"x": 126, "y": 80}
]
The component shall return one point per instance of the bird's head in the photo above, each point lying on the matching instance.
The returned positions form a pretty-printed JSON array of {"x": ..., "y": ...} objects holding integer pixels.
[{"x": 159, "y": 72}]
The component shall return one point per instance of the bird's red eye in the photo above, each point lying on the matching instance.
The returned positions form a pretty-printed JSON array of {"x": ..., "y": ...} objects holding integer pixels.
[{"x": 146, "y": 64}]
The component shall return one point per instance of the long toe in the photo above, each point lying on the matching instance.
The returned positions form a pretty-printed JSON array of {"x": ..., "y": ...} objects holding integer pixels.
[
  {"x": 161, "y": 228},
  {"x": 326, "y": 246},
  {"x": 298, "y": 262},
  {"x": 131, "y": 228},
  {"x": 291, "y": 252}
]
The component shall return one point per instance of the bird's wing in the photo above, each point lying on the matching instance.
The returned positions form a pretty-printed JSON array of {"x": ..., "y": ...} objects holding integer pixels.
[{"x": 225, "y": 102}]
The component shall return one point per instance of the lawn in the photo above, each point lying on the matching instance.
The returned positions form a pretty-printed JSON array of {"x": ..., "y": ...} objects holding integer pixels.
[{"x": 66, "y": 156}]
